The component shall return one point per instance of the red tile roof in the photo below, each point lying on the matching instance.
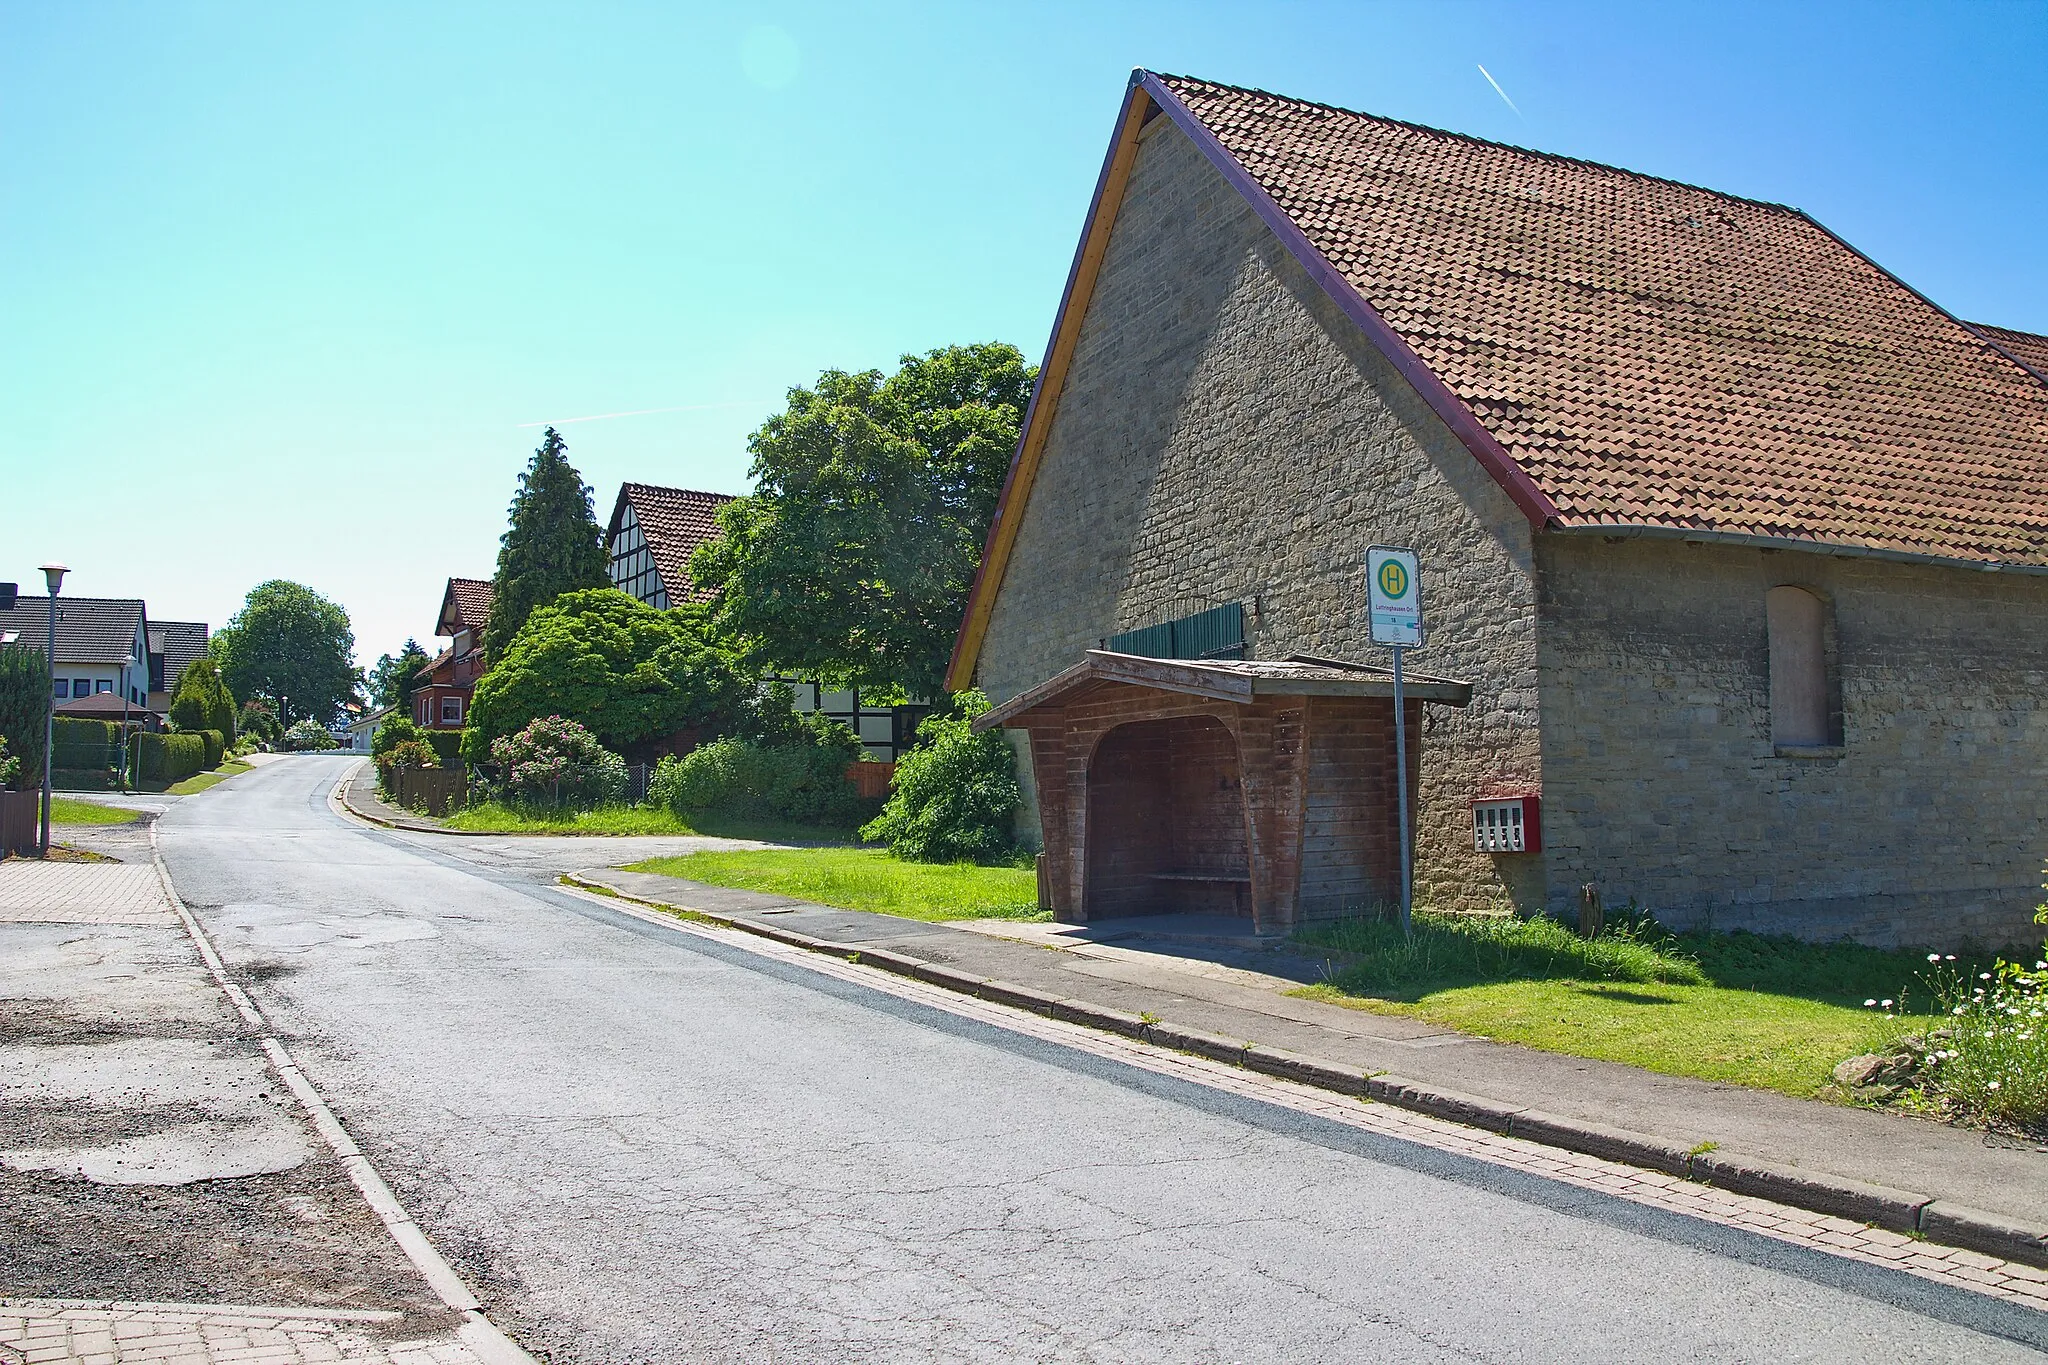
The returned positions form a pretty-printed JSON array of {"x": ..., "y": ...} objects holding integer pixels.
[
  {"x": 674, "y": 522},
  {"x": 1654, "y": 354},
  {"x": 465, "y": 605},
  {"x": 2030, "y": 350}
]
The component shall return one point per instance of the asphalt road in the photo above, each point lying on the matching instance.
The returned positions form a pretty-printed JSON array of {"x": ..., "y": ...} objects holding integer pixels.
[{"x": 643, "y": 1146}]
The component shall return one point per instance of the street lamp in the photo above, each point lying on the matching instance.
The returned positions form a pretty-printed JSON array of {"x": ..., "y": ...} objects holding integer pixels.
[
  {"x": 127, "y": 662},
  {"x": 53, "y": 578}
]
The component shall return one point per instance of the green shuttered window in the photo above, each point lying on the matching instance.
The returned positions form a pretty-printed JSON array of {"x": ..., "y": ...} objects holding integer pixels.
[{"x": 1217, "y": 633}]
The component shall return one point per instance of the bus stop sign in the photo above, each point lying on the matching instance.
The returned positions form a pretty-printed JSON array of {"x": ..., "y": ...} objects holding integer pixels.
[{"x": 1394, "y": 597}]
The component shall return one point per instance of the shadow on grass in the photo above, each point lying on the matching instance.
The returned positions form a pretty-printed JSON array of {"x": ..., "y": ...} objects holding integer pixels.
[{"x": 1368, "y": 957}]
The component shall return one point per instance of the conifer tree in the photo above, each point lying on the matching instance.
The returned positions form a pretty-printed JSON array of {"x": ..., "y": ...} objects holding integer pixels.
[{"x": 552, "y": 545}]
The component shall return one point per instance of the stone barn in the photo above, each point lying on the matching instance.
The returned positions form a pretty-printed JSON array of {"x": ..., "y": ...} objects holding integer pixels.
[{"x": 1734, "y": 548}]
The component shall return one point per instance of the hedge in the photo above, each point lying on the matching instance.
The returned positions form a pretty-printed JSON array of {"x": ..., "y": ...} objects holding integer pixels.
[
  {"x": 216, "y": 744},
  {"x": 447, "y": 746},
  {"x": 165, "y": 758},
  {"x": 85, "y": 746}
]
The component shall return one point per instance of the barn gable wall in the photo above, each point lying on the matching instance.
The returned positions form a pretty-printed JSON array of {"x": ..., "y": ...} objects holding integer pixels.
[{"x": 1225, "y": 434}]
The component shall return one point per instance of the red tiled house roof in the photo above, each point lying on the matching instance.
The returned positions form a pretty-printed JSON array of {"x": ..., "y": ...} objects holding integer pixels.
[
  {"x": 2027, "y": 348},
  {"x": 674, "y": 522},
  {"x": 465, "y": 605},
  {"x": 1616, "y": 349}
]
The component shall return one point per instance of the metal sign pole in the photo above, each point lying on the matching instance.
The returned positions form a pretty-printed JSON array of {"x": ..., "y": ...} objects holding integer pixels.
[
  {"x": 1401, "y": 797},
  {"x": 1394, "y": 619}
]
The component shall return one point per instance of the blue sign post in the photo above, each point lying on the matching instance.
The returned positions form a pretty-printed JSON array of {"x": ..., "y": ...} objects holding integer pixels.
[{"x": 1394, "y": 601}]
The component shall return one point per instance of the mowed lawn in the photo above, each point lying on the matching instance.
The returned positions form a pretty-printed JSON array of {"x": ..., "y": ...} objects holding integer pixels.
[
  {"x": 1772, "y": 1013},
  {"x": 864, "y": 879},
  {"x": 65, "y": 810}
]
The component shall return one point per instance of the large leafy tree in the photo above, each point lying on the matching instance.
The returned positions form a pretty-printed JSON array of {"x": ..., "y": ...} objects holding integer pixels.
[
  {"x": 617, "y": 666},
  {"x": 396, "y": 675},
  {"x": 551, "y": 545},
  {"x": 852, "y": 559},
  {"x": 292, "y": 645},
  {"x": 202, "y": 701}
]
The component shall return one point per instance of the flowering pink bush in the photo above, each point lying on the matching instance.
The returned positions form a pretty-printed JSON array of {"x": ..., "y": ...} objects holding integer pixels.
[{"x": 557, "y": 762}]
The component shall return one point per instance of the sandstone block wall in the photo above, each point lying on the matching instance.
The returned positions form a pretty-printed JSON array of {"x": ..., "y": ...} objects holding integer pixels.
[
  {"x": 1225, "y": 434},
  {"x": 1661, "y": 781}
]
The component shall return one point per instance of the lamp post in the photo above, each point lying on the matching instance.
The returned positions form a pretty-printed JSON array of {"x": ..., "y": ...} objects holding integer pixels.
[
  {"x": 127, "y": 662},
  {"x": 53, "y": 578}
]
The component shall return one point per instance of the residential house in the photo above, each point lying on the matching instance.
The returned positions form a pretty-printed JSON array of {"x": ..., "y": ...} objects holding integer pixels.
[
  {"x": 102, "y": 643},
  {"x": 173, "y": 645},
  {"x": 651, "y": 536},
  {"x": 1733, "y": 548},
  {"x": 440, "y": 699}
]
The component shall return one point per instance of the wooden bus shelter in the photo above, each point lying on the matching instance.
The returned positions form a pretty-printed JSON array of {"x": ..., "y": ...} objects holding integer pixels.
[{"x": 1257, "y": 788}]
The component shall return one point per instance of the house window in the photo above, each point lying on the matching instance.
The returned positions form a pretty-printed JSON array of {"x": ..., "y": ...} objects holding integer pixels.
[
  {"x": 63, "y": 688},
  {"x": 81, "y": 687},
  {"x": 1803, "y": 710},
  {"x": 451, "y": 710},
  {"x": 421, "y": 709},
  {"x": 103, "y": 685}
]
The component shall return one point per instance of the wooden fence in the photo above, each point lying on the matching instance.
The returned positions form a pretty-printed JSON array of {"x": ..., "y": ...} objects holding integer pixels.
[
  {"x": 871, "y": 780},
  {"x": 433, "y": 790},
  {"x": 20, "y": 821}
]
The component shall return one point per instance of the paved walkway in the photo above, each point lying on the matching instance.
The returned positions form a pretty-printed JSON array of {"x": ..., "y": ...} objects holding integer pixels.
[
  {"x": 35, "y": 892},
  {"x": 1206, "y": 978},
  {"x": 112, "y": 1024},
  {"x": 35, "y": 1331}
]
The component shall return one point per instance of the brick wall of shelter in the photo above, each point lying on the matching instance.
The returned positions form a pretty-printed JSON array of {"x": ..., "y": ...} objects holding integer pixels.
[
  {"x": 1661, "y": 781},
  {"x": 1226, "y": 434}
]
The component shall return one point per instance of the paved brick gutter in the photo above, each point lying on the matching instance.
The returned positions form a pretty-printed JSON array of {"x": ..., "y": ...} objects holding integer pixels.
[{"x": 1850, "y": 1163}]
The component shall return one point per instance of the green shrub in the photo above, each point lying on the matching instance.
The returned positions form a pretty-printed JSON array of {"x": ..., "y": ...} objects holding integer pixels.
[
  {"x": 258, "y": 717},
  {"x": 955, "y": 794},
  {"x": 145, "y": 757},
  {"x": 801, "y": 780},
  {"x": 184, "y": 755},
  {"x": 85, "y": 746},
  {"x": 10, "y": 766},
  {"x": 305, "y": 736},
  {"x": 622, "y": 669},
  {"x": 201, "y": 701},
  {"x": 446, "y": 744},
  {"x": 394, "y": 730},
  {"x": 216, "y": 746},
  {"x": 24, "y": 708},
  {"x": 557, "y": 763}
]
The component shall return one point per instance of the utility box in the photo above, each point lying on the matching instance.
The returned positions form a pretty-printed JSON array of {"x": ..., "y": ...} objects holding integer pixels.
[{"x": 1506, "y": 824}]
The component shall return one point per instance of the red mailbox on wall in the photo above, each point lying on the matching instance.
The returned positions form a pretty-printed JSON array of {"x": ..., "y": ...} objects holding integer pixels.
[{"x": 1507, "y": 824}]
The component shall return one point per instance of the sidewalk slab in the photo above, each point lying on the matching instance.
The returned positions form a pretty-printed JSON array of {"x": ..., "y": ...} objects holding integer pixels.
[
  {"x": 1234, "y": 995},
  {"x": 39, "y": 1330}
]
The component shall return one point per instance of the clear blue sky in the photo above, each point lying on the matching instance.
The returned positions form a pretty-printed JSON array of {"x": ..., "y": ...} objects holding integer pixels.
[{"x": 286, "y": 287}]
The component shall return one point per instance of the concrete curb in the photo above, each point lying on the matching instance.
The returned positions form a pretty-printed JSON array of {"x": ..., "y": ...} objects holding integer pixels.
[
  {"x": 345, "y": 789},
  {"x": 1914, "y": 1215},
  {"x": 485, "y": 1338}
]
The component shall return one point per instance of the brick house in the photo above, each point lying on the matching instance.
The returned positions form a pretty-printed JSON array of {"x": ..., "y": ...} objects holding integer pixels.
[
  {"x": 440, "y": 699},
  {"x": 1739, "y": 544}
]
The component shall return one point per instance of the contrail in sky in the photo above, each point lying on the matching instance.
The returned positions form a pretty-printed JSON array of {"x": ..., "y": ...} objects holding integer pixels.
[
  {"x": 640, "y": 412},
  {"x": 1496, "y": 88}
]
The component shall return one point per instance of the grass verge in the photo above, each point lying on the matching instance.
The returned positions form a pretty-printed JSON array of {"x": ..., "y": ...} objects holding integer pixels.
[
  {"x": 199, "y": 782},
  {"x": 865, "y": 879},
  {"x": 492, "y": 817},
  {"x": 1774, "y": 1013},
  {"x": 66, "y": 811}
]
